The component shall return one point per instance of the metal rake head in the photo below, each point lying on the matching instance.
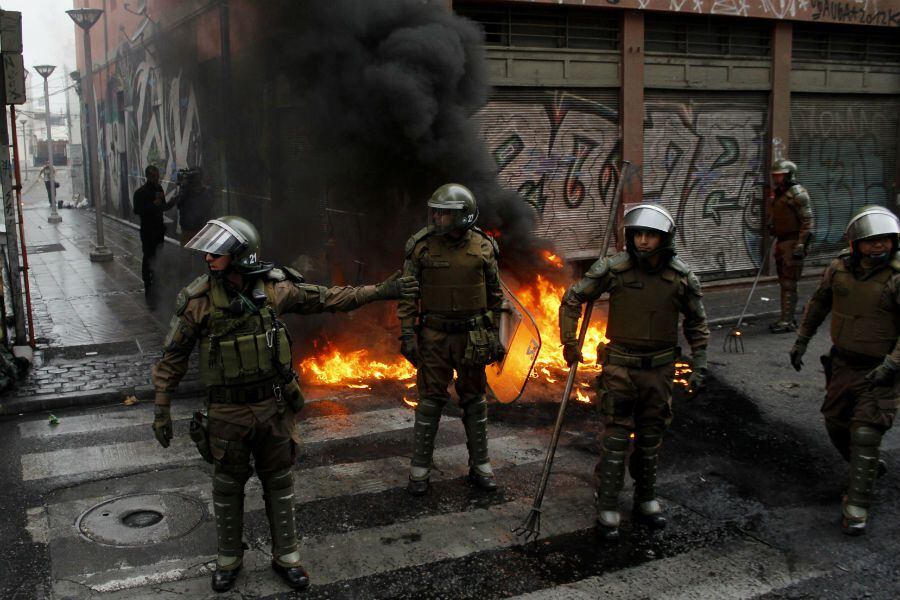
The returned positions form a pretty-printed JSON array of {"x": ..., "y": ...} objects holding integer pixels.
[
  {"x": 734, "y": 341},
  {"x": 530, "y": 529}
]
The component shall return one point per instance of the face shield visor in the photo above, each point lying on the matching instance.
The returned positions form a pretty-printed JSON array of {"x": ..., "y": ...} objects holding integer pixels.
[
  {"x": 444, "y": 220},
  {"x": 216, "y": 238}
]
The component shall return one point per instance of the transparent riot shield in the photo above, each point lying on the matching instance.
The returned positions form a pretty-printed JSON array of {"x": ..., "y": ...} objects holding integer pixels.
[{"x": 522, "y": 340}]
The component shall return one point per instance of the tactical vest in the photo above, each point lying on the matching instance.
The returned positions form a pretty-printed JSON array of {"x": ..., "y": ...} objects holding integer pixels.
[
  {"x": 244, "y": 349},
  {"x": 452, "y": 277},
  {"x": 862, "y": 318},
  {"x": 785, "y": 221},
  {"x": 644, "y": 308}
]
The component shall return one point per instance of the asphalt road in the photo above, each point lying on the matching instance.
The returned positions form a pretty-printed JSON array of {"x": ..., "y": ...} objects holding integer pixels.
[{"x": 748, "y": 478}]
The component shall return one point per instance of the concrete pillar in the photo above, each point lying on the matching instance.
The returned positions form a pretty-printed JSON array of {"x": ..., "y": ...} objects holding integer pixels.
[
  {"x": 631, "y": 107},
  {"x": 779, "y": 113}
]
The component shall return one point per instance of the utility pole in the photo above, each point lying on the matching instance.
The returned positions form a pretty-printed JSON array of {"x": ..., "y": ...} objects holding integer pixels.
[
  {"x": 45, "y": 71},
  {"x": 68, "y": 116},
  {"x": 23, "y": 122}
]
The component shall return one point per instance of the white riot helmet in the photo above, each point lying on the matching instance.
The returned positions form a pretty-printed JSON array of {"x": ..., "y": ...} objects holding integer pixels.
[
  {"x": 649, "y": 216},
  {"x": 870, "y": 222}
]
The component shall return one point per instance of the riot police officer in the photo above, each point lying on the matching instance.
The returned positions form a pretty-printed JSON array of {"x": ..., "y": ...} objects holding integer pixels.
[
  {"x": 649, "y": 286},
  {"x": 253, "y": 394},
  {"x": 861, "y": 290},
  {"x": 453, "y": 326},
  {"x": 791, "y": 222}
]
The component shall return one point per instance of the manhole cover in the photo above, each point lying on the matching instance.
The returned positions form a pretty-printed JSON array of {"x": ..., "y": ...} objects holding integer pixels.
[{"x": 141, "y": 519}]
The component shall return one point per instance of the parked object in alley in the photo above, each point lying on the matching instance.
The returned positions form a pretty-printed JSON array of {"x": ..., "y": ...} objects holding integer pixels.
[
  {"x": 791, "y": 223},
  {"x": 149, "y": 205},
  {"x": 734, "y": 341},
  {"x": 649, "y": 288},
  {"x": 253, "y": 393},
  {"x": 861, "y": 290},
  {"x": 457, "y": 329}
]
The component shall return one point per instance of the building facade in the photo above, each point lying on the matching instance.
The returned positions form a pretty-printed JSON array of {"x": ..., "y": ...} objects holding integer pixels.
[{"x": 698, "y": 95}]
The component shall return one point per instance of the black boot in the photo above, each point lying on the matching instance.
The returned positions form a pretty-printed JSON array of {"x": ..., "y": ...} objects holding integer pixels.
[
  {"x": 653, "y": 520},
  {"x": 483, "y": 482},
  {"x": 417, "y": 487},
  {"x": 223, "y": 579},
  {"x": 295, "y": 576}
]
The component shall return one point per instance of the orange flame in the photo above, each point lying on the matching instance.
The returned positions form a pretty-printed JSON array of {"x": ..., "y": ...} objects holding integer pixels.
[
  {"x": 410, "y": 403},
  {"x": 553, "y": 259},
  {"x": 354, "y": 369},
  {"x": 581, "y": 396}
]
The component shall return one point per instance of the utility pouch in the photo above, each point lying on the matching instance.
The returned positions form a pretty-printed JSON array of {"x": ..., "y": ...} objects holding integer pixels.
[
  {"x": 284, "y": 347},
  {"x": 478, "y": 348},
  {"x": 293, "y": 396},
  {"x": 263, "y": 354},
  {"x": 246, "y": 346},
  {"x": 198, "y": 430},
  {"x": 604, "y": 400},
  {"x": 231, "y": 364}
]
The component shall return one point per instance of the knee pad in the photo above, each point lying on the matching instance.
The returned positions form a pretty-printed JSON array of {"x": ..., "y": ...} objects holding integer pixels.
[
  {"x": 429, "y": 408},
  {"x": 226, "y": 484},
  {"x": 865, "y": 436},
  {"x": 648, "y": 438},
  {"x": 616, "y": 440},
  {"x": 280, "y": 480}
]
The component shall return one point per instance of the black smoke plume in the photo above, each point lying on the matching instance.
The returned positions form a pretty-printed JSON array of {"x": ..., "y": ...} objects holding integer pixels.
[{"x": 385, "y": 90}]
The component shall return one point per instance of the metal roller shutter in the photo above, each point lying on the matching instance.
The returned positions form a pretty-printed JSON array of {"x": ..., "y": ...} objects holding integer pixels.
[
  {"x": 703, "y": 160},
  {"x": 557, "y": 148},
  {"x": 845, "y": 148}
]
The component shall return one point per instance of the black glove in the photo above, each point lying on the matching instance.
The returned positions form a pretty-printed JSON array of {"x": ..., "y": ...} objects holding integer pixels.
[
  {"x": 409, "y": 346},
  {"x": 498, "y": 352},
  {"x": 396, "y": 287},
  {"x": 884, "y": 375},
  {"x": 162, "y": 424},
  {"x": 695, "y": 382},
  {"x": 572, "y": 353},
  {"x": 798, "y": 351},
  {"x": 799, "y": 252}
]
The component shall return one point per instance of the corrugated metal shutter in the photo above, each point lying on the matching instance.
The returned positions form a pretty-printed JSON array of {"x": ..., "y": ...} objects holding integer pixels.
[
  {"x": 557, "y": 148},
  {"x": 703, "y": 160},
  {"x": 845, "y": 148}
]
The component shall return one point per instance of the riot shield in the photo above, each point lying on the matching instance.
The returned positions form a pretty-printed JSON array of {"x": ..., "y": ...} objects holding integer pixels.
[{"x": 522, "y": 340}]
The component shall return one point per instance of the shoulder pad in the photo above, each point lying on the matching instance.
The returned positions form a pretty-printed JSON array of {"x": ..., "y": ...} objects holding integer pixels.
[
  {"x": 598, "y": 269},
  {"x": 276, "y": 274},
  {"x": 282, "y": 273},
  {"x": 798, "y": 191},
  {"x": 620, "y": 262},
  {"x": 846, "y": 252},
  {"x": 415, "y": 239},
  {"x": 895, "y": 261},
  {"x": 194, "y": 289},
  {"x": 490, "y": 238},
  {"x": 677, "y": 264}
]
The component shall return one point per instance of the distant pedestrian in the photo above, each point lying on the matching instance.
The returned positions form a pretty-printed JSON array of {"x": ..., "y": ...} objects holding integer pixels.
[
  {"x": 194, "y": 203},
  {"x": 44, "y": 174},
  {"x": 150, "y": 204}
]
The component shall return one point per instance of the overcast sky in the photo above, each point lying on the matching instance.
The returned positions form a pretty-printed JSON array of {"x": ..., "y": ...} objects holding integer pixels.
[{"x": 48, "y": 37}]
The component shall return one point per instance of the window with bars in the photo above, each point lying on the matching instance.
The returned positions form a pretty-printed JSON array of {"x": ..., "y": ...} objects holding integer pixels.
[
  {"x": 543, "y": 26},
  {"x": 845, "y": 43},
  {"x": 704, "y": 35}
]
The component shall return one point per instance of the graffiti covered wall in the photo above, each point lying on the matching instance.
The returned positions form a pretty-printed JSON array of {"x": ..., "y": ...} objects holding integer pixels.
[
  {"x": 703, "y": 161},
  {"x": 845, "y": 149},
  {"x": 559, "y": 151}
]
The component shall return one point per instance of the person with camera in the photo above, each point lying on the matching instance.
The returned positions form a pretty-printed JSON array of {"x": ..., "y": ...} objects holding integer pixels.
[
  {"x": 194, "y": 202},
  {"x": 149, "y": 204}
]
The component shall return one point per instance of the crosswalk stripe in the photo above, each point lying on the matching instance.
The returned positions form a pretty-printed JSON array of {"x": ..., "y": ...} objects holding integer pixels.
[
  {"x": 141, "y": 414},
  {"x": 330, "y": 481},
  {"x": 129, "y": 455},
  {"x": 361, "y": 553},
  {"x": 743, "y": 569}
]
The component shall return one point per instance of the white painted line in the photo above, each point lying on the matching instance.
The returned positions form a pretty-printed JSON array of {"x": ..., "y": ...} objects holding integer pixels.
[
  {"x": 741, "y": 569},
  {"x": 366, "y": 552},
  {"x": 132, "y": 455}
]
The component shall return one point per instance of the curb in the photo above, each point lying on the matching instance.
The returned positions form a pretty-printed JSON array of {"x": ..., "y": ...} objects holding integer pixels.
[{"x": 44, "y": 402}]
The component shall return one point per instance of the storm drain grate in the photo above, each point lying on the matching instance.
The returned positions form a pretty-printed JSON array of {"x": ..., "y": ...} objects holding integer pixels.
[{"x": 46, "y": 248}]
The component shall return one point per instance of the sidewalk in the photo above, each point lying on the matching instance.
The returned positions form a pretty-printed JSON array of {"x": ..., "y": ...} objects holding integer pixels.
[{"x": 97, "y": 340}]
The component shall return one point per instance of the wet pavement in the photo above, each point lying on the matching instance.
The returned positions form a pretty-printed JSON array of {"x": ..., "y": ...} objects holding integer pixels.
[{"x": 749, "y": 480}]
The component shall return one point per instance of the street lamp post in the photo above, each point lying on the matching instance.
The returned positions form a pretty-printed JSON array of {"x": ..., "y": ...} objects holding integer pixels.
[
  {"x": 24, "y": 122},
  {"x": 45, "y": 71},
  {"x": 85, "y": 18}
]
